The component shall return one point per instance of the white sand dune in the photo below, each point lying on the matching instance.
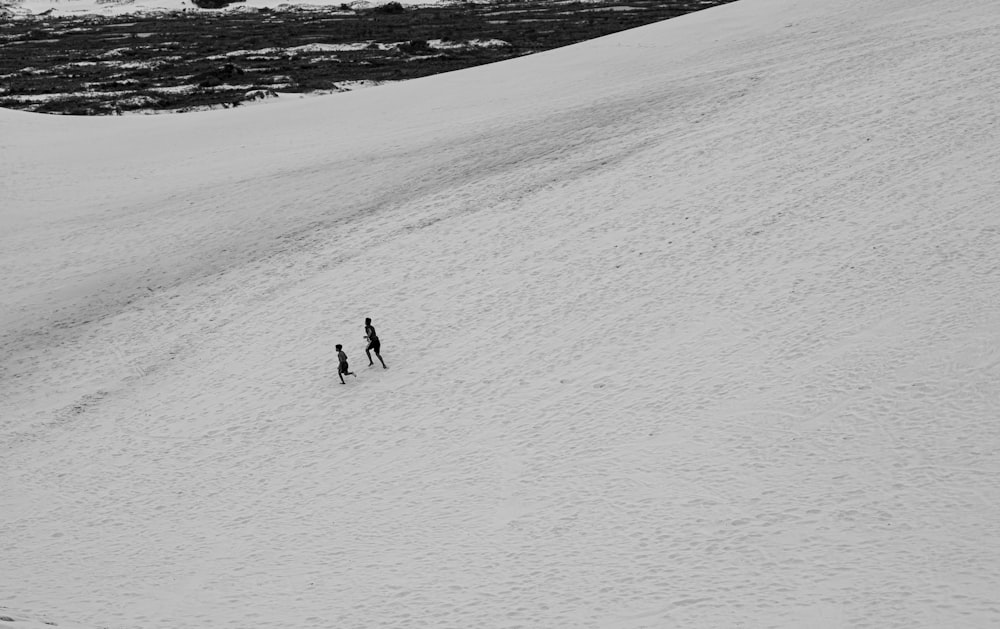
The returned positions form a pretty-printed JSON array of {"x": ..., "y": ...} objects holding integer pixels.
[{"x": 695, "y": 325}]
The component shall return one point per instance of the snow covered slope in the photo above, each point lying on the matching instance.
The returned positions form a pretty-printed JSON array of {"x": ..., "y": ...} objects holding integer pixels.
[{"x": 691, "y": 326}]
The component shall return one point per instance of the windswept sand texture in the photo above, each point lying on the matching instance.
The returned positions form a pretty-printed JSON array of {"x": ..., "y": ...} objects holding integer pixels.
[{"x": 692, "y": 326}]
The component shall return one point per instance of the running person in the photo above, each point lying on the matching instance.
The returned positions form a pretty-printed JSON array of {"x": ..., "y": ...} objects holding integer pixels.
[
  {"x": 373, "y": 344},
  {"x": 342, "y": 370}
]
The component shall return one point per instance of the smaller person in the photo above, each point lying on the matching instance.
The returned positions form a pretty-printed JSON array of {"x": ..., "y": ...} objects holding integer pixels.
[
  {"x": 342, "y": 370},
  {"x": 373, "y": 344}
]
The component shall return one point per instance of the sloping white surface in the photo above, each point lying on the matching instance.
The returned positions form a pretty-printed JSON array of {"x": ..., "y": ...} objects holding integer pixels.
[{"x": 692, "y": 326}]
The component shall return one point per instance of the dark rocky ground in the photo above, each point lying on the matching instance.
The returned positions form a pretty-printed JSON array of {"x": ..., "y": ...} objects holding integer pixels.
[{"x": 188, "y": 60}]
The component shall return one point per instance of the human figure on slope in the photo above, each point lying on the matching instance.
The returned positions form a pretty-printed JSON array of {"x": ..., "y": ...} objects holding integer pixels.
[
  {"x": 342, "y": 370},
  {"x": 373, "y": 344}
]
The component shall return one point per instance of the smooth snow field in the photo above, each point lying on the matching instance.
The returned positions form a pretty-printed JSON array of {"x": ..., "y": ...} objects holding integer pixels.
[{"x": 696, "y": 326}]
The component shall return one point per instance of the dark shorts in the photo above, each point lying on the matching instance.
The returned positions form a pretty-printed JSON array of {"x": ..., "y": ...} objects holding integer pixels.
[
  {"x": 343, "y": 368},
  {"x": 375, "y": 345}
]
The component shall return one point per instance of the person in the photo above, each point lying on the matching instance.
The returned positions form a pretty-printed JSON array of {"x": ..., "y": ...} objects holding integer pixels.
[
  {"x": 343, "y": 369},
  {"x": 374, "y": 345}
]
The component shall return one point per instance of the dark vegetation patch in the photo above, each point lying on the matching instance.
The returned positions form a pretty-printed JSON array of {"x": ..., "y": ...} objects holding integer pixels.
[{"x": 185, "y": 60}]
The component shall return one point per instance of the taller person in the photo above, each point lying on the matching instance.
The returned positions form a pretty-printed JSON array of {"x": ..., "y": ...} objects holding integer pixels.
[{"x": 373, "y": 344}]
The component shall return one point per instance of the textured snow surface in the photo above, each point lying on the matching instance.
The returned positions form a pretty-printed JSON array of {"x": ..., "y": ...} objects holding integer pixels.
[{"x": 692, "y": 326}]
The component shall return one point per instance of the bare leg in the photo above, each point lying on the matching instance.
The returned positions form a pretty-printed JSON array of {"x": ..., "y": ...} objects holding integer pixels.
[{"x": 379, "y": 359}]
